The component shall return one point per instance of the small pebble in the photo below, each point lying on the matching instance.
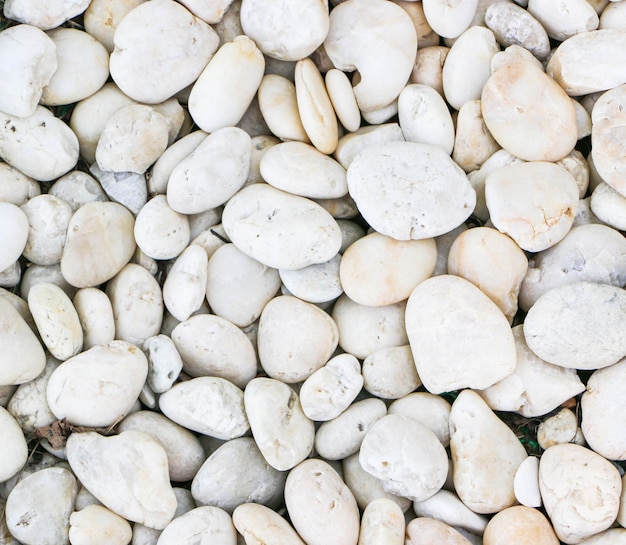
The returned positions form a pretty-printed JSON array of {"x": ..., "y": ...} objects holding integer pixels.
[
  {"x": 447, "y": 507},
  {"x": 205, "y": 523},
  {"x": 382, "y": 523},
  {"x": 558, "y": 429},
  {"x": 389, "y": 373},
  {"x": 526, "y": 483},
  {"x": 42, "y": 14},
  {"x": 164, "y": 363},
  {"x": 96, "y": 525},
  {"x": 184, "y": 288}
]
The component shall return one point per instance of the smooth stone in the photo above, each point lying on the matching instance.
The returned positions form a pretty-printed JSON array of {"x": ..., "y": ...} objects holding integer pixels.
[
  {"x": 235, "y": 474},
  {"x": 426, "y": 36},
  {"x": 137, "y": 304},
  {"x": 445, "y": 506},
  {"x": 77, "y": 188},
  {"x": 314, "y": 106},
  {"x": 15, "y": 452},
  {"x": 280, "y": 428},
  {"x": 82, "y": 67},
  {"x": 96, "y": 316},
  {"x": 99, "y": 243},
  {"x": 318, "y": 283},
  {"x": 604, "y": 433},
  {"x": 591, "y": 252},
  {"x": 383, "y": 56},
  {"x": 42, "y": 14},
  {"x": 31, "y": 63},
  {"x": 424, "y": 530},
  {"x": 15, "y": 188},
  {"x": 301, "y": 169},
  {"x": 279, "y": 107},
  {"x": 492, "y": 262},
  {"x": 382, "y": 523},
  {"x": 578, "y": 325},
  {"x": 434, "y": 321},
  {"x": 204, "y": 220},
  {"x": 377, "y": 270},
  {"x": 127, "y": 473},
  {"x": 329, "y": 391},
  {"x": 612, "y": 16},
  {"x": 209, "y": 405},
  {"x": 562, "y": 22},
  {"x": 285, "y": 351},
  {"x": 406, "y": 456},
  {"x": 521, "y": 525},
  {"x": 211, "y": 239},
  {"x": 212, "y": 173},
  {"x": 351, "y": 144},
  {"x": 223, "y": 92},
  {"x": 389, "y": 373},
  {"x": 342, "y": 436},
  {"x": 476, "y": 432},
  {"x": 184, "y": 452},
  {"x": 468, "y": 66},
  {"x": 363, "y": 330},
  {"x": 381, "y": 115},
  {"x": 545, "y": 197},
  {"x": 320, "y": 505},
  {"x": 424, "y": 117},
  {"x": 582, "y": 507},
  {"x": 38, "y": 509},
  {"x": 367, "y": 488},
  {"x": 238, "y": 287},
  {"x": 212, "y": 346},
  {"x": 342, "y": 97},
  {"x": 132, "y": 139},
  {"x": 613, "y": 536},
  {"x": 206, "y": 523},
  {"x": 589, "y": 62},
  {"x": 36, "y": 274},
  {"x": 184, "y": 288},
  {"x": 609, "y": 206},
  {"x": 41, "y": 146},
  {"x": 149, "y": 69},
  {"x": 535, "y": 387},
  {"x": 164, "y": 363},
  {"x": 515, "y": 100},
  {"x": 430, "y": 410},
  {"x": 48, "y": 218},
  {"x": 97, "y": 525},
  {"x": 425, "y": 193},
  {"x": 18, "y": 343},
  {"x": 259, "y": 525},
  {"x": 560, "y": 428},
  {"x": 160, "y": 232},
  {"x": 211, "y": 13},
  {"x": 449, "y": 20},
  {"x": 56, "y": 319},
  {"x": 512, "y": 24},
  {"x": 526, "y": 483},
  {"x": 14, "y": 233},
  {"x": 29, "y": 405},
  {"x": 10, "y": 277},
  {"x": 98, "y": 386},
  {"x": 102, "y": 17},
  {"x": 473, "y": 143},
  {"x": 576, "y": 164}
]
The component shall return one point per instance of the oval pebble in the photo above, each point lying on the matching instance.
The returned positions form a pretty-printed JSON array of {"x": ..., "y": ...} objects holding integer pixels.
[
  {"x": 96, "y": 316},
  {"x": 342, "y": 97},
  {"x": 98, "y": 386},
  {"x": 94, "y": 524},
  {"x": 212, "y": 406},
  {"x": 425, "y": 193},
  {"x": 14, "y": 232},
  {"x": 428, "y": 409},
  {"x": 184, "y": 288},
  {"x": 317, "y": 283},
  {"x": 389, "y": 373},
  {"x": 526, "y": 483},
  {"x": 521, "y": 525},
  {"x": 206, "y": 523},
  {"x": 279, "y": 107},
  {"x": 578, "y": 325},
  {"x": 15, "y": 452},
  {"x": 447, "y": 507},
  {"x": 562, "y": 22},
  {"x": 259, "y": 525},
  {"x": 449, "y": 19},
  {"x": 427, "y": 530},
  {"x": 609, "y": 206},
  {"x": 382, "y": 524}
]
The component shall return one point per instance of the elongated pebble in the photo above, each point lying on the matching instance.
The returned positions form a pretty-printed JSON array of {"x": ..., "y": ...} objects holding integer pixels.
[
  {"x": 343, "y": 100},
  {"x": 185, "y": 286},
  {"x": 382, "y": 524}
]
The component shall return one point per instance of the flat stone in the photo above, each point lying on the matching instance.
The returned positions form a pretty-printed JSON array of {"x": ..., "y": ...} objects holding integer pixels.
[
  {"x": 476, "y": 432},
  {"x": 522, "y": 525},
  {"x": 98, "y": 386},
  {"x": 406, "y": 456},
  {"x": 127, "y": 473},
  {"x": 90, "y": 525},
  {"x": 38, "y": 509},
  {"x": 280, "y": 428},
  {"x": 578, "y": 325},
  {"x": 259, "y": 524},
  {"x": 425, "y": 193},
  {"x": 149, "y": 69},
  {"x": 235, "y": 474},
  {"x": 320, "y": 505},
  {"x": 15, "y": 453},
  {"x": 206, "y": 523},
  {"x": 582, "y": 507}
]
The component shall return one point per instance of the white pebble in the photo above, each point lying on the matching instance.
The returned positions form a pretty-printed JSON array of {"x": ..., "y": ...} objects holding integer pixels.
[
  {"x": 43, "y": 14},
  {"x": 382, "y": 523},
  {"x": 206, "y": 523},
  {"x": 447, "y": 507},
  {"x": 526, "y": 483},
  {"x": 449, "y": 19},
  {"x": 343, "y": 100},
  {"x": 96, "y": 316},
  {"x": 428, "y": 409},
  {"x": 317, "y": 283},
  {"x": 560, "y": 428},
  {"x": 609, "y": 206},
  {"x": 14, "y": 231},
  {"x": 279, "y": 107},
  {"x": 389, "y": 373},
  {"x": 562, "y": 22},
  {"x": 259, "y": 525},
  {"x": 184, "y": 288},
  {"x": 96, "y": 525},
  {"x": 15, "y": 452}
]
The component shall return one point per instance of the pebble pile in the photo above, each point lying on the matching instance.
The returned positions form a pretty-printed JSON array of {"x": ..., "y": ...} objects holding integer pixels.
[{"x": 312, "y": 273}]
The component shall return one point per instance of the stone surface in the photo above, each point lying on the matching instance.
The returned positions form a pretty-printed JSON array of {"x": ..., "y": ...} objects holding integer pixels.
[
  {"x": 351, "y": 144},
  {"x": 428, "y": 409},
  {"x": 319, "y": 283},
  {"x": 476, "y": 432},
  {"x": 16, "y": 188},
  {"x": 97, "y": 525},
  {"x": 279, "y": 107},
  {"x": 603, "y": 412},
  {"x": 558, "y": 429},
  {"x": 15, "y": 453},
  {"x": 581, "y": 507},
  {"x": 382, "y": 522},
  {"x": 38, "y": 509},
  {"x": 164, "y": 363},
  {"x": 562, "y": 23},
  {"x": 435, "y": 322},
  {"x": 42, "y": 14},
  {"x": 447, "y": 507},
  {"x": 425, "y": 530},
  {"x": 342, "y": 97},
  {"x": 389, "y": 373},
  {"x": 206, "y": 523},
  {"x": 127, "y": 473},
  {"x": 14, "y": 232},
  {"x": 526, "y": 483},
  {"x": 160, "y": 232},
  {"x": 320, "y": 505},
  {"x": 259, "y": 524},
  {"x": 96, "y": 316},
  {"x": 406, "y": 456},
  {"x": 578, "y": 325},
  {"x": 280, "y": 428},
  {"x": 609, "y": 206},
  {"x": 519, "y": 524},
  {"x": 102, "y": 17},
  {"x": 98, "y": 386},
  {"x": 449, "y": 20},
  {"x": 127, "y": 188},
  {"x": 184, "y": 288}
]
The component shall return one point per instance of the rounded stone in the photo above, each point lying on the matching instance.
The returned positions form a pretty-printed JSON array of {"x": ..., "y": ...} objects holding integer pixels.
[
  {"x": 342, "y": 97},
  {"x": 526, "y": 483},
  {"x": 521, "y": 525},
  {"x": 389, "y": 373},
  {"x": 204, "y": 523},
  {"x": 558, "y": 429},
  {"x": 319, "y": 283},
  {"x": 563, "y": 22},
  {"x": 15, "y": 452},
  {"x": 184, "y": 288},
  {"x": 14, "y": 231},
  {"x": 447, "y": 507},
  {"x": 279, "y": 107},
  {"x": 430, "y": 410},
  {"x": 425, "y": 194},
  {"x": 449, "y": 19},
  {"x": 42, "y": 14},
  {"x": 427, "y": 530},
  {"x": 259, "y": 524},
  {"x": 609, "y": 206},
  {"x": 102, "y": 17},
  {"x": 96, "y": 316},
  {"x": 97, "y": 525}
]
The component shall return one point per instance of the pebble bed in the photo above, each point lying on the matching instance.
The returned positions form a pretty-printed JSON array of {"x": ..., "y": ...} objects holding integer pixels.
[{"x": 281, "y": 272}]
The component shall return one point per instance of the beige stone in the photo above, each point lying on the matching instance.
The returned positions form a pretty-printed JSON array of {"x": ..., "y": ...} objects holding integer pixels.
[
  {"x": 382, "y": 524},
  {"x": 473, "y": 143},
  {"x": 259, "y": 525},
  {"x": 521, "y": 525},
  {"x": 424, "y": 530}
]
